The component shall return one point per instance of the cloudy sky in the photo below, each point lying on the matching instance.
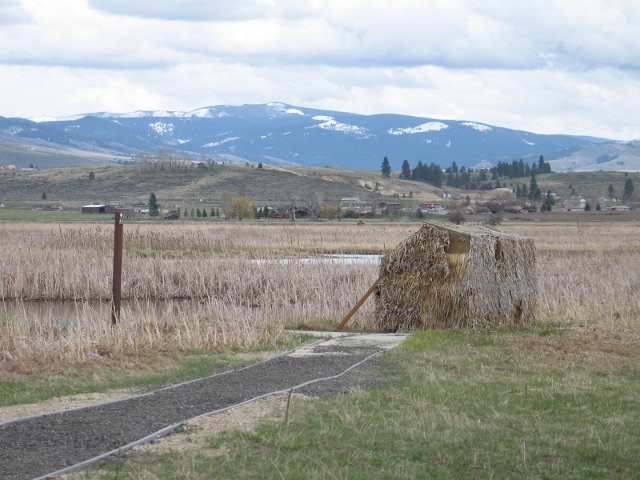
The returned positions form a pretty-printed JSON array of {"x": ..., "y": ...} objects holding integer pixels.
[{"x": 548, "y": 66}]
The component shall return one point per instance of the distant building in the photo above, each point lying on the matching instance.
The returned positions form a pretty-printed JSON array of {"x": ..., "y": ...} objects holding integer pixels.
[
  {"x": 388, "y": 206},
  {"x": 102, "y": 208},
  {"x": 48, "y": 207},
  {"x": 350, "y": 203},
  {"x": 574, "y": 208}
]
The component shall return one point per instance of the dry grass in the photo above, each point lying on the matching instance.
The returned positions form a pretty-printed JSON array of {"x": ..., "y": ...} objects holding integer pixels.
[
  {"x": 243, "y": 302},
  {"x": 445, "y": 276},
  {"x": 587, "y": 274}
]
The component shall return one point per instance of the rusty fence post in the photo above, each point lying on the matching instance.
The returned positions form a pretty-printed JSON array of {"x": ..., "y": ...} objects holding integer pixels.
[{"x": 117, "y": 268}]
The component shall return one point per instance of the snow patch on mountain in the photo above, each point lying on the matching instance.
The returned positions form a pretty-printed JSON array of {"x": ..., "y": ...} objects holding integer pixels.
[
  {"x": 294, "y": 111},
  {"x": 425, "y": 127},
  {"x": 477, "y": 126},
  {"x": 484, "y": 164},
  {"x": 13, "y": 130},
  {"x": 329, "y": 123},
  {"x": 48, "y": 118},
  {"x": 528, "y": 143},
  {"x": 162, "y": 128},
  {"x": 215, "y": 144}
]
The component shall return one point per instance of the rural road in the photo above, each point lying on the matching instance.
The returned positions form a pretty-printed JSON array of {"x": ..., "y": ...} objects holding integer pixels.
[{"x": 41, "y": 445}]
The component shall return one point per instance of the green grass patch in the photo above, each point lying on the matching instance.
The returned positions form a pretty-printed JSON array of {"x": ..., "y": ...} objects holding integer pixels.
[
  {"x": 496, "y": 404},
  {"x": 144, "y": 373}
]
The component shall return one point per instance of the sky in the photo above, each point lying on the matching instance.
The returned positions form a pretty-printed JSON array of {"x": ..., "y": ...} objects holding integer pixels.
[{"x": 546, "y": 66}]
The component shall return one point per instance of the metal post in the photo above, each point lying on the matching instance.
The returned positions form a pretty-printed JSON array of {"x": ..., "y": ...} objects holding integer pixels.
[{"x": 117, "y": 268}]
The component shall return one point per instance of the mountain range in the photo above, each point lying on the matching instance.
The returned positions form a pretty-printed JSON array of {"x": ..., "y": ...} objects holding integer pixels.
[{"x": 276, "y": 133}]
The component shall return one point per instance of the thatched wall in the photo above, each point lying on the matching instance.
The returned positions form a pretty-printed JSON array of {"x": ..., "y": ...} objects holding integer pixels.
[{"x": 448, "y": 276}]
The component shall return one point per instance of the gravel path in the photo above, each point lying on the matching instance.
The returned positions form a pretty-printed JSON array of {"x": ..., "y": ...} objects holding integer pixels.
[{"x": 37, "y": 446}]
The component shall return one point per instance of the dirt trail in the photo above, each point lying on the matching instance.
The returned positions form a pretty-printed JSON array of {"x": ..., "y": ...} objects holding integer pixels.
[{"x": 45, "y": 444}]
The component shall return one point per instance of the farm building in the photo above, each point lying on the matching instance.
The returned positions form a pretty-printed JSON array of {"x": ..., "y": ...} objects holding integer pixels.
[
  {"x": 450, "y": 276},
  {"x": 101, "y": 208}
]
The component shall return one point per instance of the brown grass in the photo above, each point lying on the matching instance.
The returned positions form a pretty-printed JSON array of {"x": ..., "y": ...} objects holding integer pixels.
[
  {"x": 435, "y": 280},
  {"x": 587, "y": 275}
]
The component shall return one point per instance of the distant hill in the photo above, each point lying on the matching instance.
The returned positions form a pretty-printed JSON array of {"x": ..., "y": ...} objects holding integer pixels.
[
  {"x": 605, "y": 156},
  {"x": 277, "y": 134}
]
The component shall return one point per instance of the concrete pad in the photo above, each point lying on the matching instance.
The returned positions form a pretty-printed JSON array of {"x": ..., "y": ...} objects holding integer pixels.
[{"x": 343, "y": 343}]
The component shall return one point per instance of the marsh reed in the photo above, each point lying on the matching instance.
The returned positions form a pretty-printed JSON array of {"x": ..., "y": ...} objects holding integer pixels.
[{"x": 587, "y": 274}]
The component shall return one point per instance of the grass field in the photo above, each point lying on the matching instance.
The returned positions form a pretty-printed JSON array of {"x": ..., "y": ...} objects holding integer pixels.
[
  {"x": 553, "y": 400},
  {"x": 542, "y": 402}
]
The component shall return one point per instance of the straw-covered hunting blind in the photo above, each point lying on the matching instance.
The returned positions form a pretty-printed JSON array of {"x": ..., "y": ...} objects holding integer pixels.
[{"x": 450, "y": 276}]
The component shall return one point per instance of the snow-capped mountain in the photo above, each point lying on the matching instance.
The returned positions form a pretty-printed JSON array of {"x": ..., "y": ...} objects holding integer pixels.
[{"x": 276, "y": 132}]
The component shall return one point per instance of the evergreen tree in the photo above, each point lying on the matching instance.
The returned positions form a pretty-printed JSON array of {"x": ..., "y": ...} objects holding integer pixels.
[
  {"x": 178, "y": 212},
  {"x": 92, "y": 176},
  {"x": 406, "y": 170},
  {"x": 212, "y": 213},
  {"x": 204, "y": 213},
  {"x": 44, "y": 195},
  {"x": 610, "y": 191},
  {"x": 524, "y": 191},
  {"x": 598, "y": 207},
  {"x": 518, "y": 191},
  {"x": 260, "y": 165},
  {"x": 628, "y": 188},
  {"x": 534, "y": 190},
  {"x": 386, "y": 168},
  {"x": 192, "y": 213},
  {"x": 549, "y": 202},
  {"x": 154, "y": 211},
  {"x": 198, "y": 212},
  {"x": 587, "y": 207}
]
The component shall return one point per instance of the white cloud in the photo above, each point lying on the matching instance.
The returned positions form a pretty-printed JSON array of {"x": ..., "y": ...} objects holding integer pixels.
[
  {"x": 12, "y": 12},
  {"x": 547, "y": 66}
]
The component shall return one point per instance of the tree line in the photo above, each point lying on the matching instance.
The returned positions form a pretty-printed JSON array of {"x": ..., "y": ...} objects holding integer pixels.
[{"x": 468, "y": 178}]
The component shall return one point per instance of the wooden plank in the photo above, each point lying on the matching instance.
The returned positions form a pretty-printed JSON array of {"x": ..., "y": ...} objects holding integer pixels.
[{"x": 358, "y": 305}]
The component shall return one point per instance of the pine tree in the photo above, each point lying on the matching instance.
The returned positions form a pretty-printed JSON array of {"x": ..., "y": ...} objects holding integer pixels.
[
  {"x": 386, "y": 168},
  {"x": 598, "y": 207},
  {"x": 212, "y": 213},
  {"x": 534, "y": 190},
  {"x": 204, "y": 213},
  {"x": 610, "y": 191},
  {"x": 628, "y": 188},
  {"x": 260, "y": 165},
  {"x": 154, "y": 211},
  {"x": 198, "y": 212},
  {"x": 406, "y": 170}
]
